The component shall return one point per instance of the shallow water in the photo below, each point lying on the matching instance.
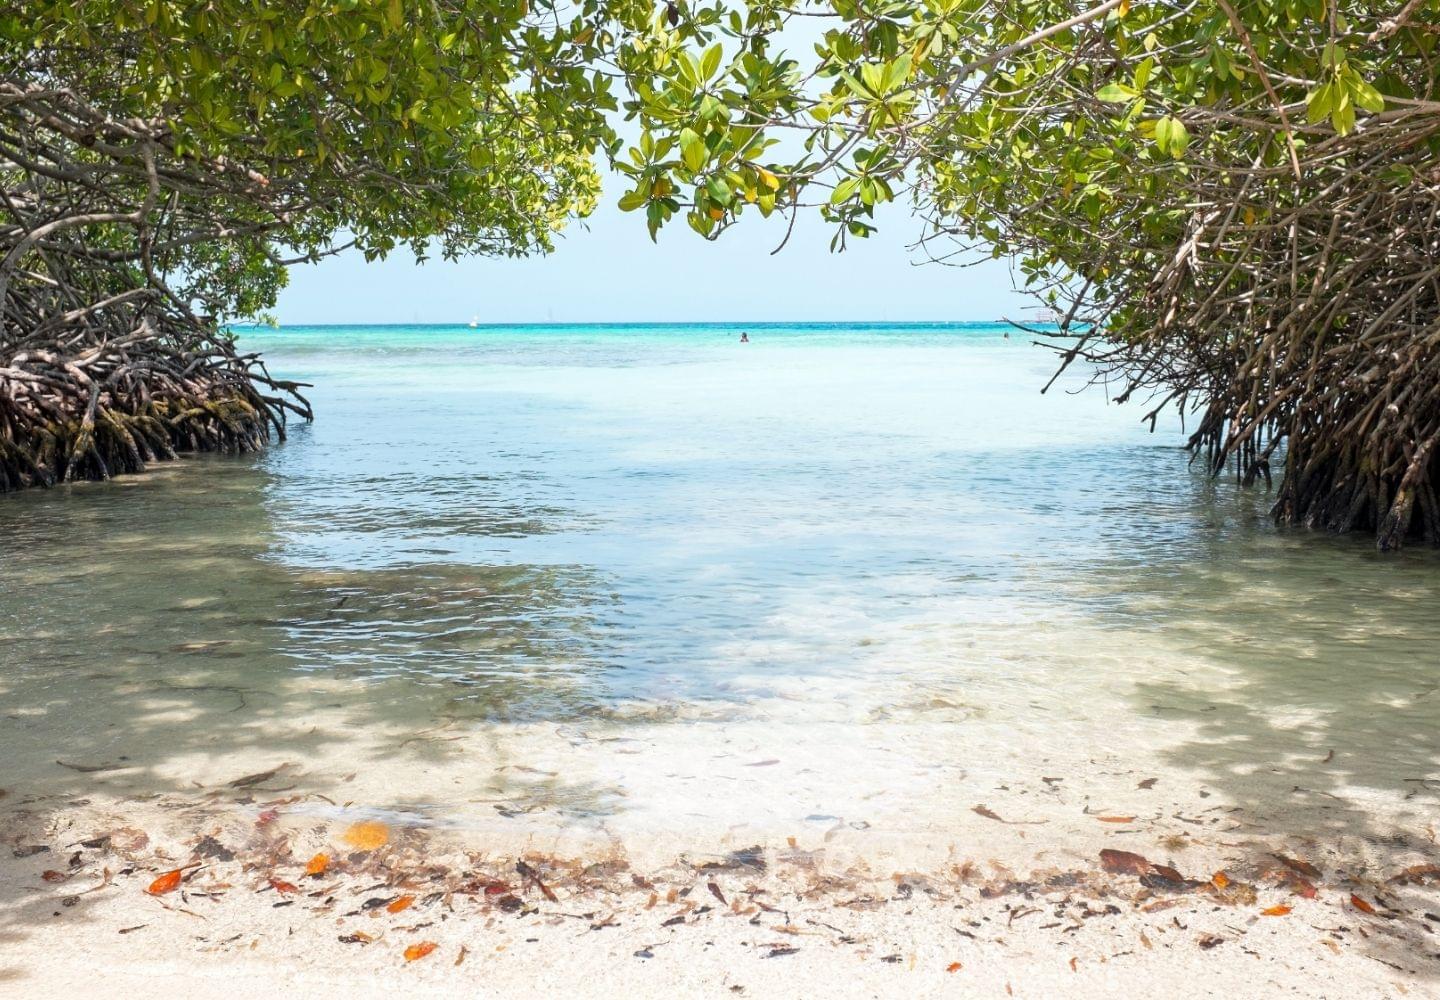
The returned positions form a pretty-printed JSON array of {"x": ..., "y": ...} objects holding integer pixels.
[{"x": 642, "y": 580}]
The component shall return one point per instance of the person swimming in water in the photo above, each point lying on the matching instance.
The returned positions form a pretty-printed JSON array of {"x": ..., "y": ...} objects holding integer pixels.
[{"x": 744, "y": 337}]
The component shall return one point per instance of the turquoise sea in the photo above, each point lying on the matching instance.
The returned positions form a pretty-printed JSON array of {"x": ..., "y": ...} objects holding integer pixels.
[{"x": 863, "y": 540}]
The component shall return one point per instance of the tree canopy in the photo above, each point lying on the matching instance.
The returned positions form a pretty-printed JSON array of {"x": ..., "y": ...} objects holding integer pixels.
[
  {"x": 1231, "y": 203},
  {"x": 161, "y": 161}
]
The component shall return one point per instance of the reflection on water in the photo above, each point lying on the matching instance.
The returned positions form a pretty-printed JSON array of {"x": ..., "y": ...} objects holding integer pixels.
[{"x": 882, "y": 549}]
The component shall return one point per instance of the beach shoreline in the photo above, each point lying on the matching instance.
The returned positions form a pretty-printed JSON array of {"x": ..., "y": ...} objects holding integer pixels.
[{"x": 1055, "y": 901}]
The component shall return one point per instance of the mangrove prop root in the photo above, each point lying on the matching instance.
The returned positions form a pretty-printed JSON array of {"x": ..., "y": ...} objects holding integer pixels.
[
  {"x": 1279, "y": 282},
  {"x": 104, "y": 367}
]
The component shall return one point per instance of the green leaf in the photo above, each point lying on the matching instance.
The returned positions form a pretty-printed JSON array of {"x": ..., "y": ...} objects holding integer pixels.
[
  {"x": 632, "y": 200},
  {"x": 844, "y": 190},
  {"x": 1320, "y": 103},
  {"x": 1143, "y": 71},
  {"x": 709, "y": 62},
  {"x": 1366, "y": 96},
  {"x": 692, "y": 150},
  {"x": 1116, "y": 93}
]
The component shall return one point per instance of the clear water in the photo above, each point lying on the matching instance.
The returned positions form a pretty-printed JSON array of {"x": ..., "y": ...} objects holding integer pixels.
[{"x": 873, "y": 540}]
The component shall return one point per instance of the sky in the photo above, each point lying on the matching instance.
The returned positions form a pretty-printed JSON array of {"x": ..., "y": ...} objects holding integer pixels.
[{"x": 608, "y": 271}]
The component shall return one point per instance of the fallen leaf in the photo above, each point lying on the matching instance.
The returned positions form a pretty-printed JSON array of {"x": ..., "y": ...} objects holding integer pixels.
[
  {"x": 954, "y": 967},
  {"x": 257, "y": 779},
  {"x": 282, "y": 887},
  {"x": 1417, "y": 874},
  {"x": 419, "y": 950},
  {"x": 318, "y": 864},
  {"x": 50, "y": 875},
  {"x": 1275, "y": 911},
  {"x": 1167, "y": 878},
  {"x": 1220, "y": 880},
  {"x": 359, "y": 937},
  {"x": 1123, "y": 862},
  {"x": 128, "y": 840},
  {"x": 93, "y": 768},
  {"x": 715, "y": 891},
  {"x": 168, "y": 882},
  {"x": 1360, "y": 904},
  {"x": 1303, "y": 867},
  {"x": 1074, "y": 962},
  {"x": 1148, "y": 783},
  {"x": 989, "y": 813},
  {"x": 400, "y": 903},
  {"x": 1116, "y": 819},
  {"x": 267, "y": 817},
  {"x": 1302, "y": 887},
  {"x": 367, "y": 835},
  {"x": 526, "y": 871}
]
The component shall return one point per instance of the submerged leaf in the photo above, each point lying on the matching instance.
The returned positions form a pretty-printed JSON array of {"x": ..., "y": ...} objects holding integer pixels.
[
  {"x": 1275, "y": 911},
  {"x": 367, "y": 835},
  {"x": 1360, "y": 904},
  {"x": 400, "y": 903},
  {"x": 318, "y": 864},
  {"x": 1123, "y": 862},
  {"x": 1303, "y": 867}
]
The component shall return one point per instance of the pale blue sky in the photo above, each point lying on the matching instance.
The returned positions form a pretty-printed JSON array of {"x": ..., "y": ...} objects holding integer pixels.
[{"x": 611, "y": 272}]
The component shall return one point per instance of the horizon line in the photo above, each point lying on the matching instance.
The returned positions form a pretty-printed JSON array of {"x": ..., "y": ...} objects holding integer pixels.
[{"x": 1003, "y": 321}]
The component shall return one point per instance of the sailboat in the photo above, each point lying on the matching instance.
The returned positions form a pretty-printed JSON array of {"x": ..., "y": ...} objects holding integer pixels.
[{"x": 474, "y": 321}]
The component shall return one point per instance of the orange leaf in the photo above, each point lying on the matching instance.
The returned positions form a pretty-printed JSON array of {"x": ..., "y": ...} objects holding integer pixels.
[
  {"x": 168, "y": 882},
  {"x": 1360, "y": 904},
  {"x": 1116, "y": 819},
  {"x": 1220, "y": 880},
  {"x": 419, "y": 950},
  {"x": 954, "y": 967},
  {"x": 281, "y": 886},
  {"x": 318, "y": 864},
  {"x": 1275, "y": 911},
  {"x": 366, "y": 835},
  {"x": 403, "y": 903}
]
